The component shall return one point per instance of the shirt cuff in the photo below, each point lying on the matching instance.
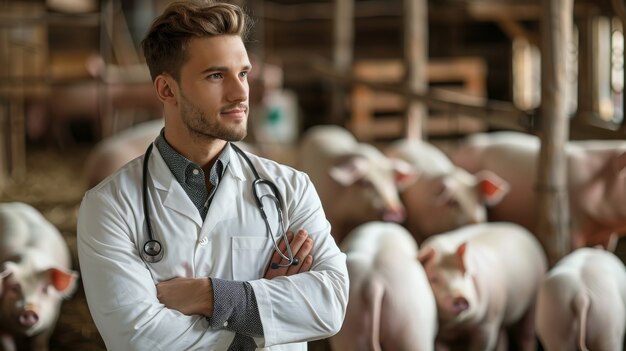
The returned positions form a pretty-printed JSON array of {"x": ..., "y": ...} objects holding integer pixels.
[{"x": 235, "y": 308}]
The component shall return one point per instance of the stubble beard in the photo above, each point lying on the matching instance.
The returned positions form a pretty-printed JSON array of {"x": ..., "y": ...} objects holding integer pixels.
[{"x": 200, "y": 126}]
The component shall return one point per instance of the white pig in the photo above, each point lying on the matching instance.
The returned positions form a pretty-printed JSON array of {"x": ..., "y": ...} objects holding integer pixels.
[
  {"x": 391, "y": 305},
  {"x": 356, "y": 182},
  {"x": 35, "y": 275},
  {"x": 596, "y": 177},
  {"x": 582, "y": 303},
  {"x": 485, "y": 279},
  {"x": 443, "y": 197}
]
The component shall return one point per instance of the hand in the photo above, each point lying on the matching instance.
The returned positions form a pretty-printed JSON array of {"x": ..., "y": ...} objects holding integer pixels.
[
  {"x": 301, "y": 246},
  {"x": 187, "y": 295}
]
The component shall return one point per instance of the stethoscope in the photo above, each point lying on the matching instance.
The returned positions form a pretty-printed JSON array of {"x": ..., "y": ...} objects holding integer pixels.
[{"x": 153, "y": 249}]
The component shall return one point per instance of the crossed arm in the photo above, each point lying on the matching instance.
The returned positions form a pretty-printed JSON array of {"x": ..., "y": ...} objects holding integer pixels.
[{"x": 195, "y": 295}]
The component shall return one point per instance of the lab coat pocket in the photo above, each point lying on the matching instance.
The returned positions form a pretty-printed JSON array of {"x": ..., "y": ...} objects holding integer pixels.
[{"x": 250, "y": 256}]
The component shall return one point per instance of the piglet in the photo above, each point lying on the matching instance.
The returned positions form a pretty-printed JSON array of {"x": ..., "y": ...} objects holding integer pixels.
[
  {"x": 35, "y": 275},
  {"x": 582, "y": 303},
  {"x": 391, "y": 305},
  {"x": 485, "y": 279}
]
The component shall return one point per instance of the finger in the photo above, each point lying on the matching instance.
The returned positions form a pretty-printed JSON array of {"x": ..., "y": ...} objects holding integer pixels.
[
  {"x": 297, "y": 242},
  {"x": 269, "y": 272},
  {"x": 302, "y": 253},
  {"x": 306, "y": 264}
]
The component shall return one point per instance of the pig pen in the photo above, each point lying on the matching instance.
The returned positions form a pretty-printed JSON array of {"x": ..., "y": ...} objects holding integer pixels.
[{"x": 54, "y": 185}]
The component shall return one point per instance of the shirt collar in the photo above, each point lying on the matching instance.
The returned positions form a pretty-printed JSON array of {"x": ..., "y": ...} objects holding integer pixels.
[{"x": 179, "y": 165}]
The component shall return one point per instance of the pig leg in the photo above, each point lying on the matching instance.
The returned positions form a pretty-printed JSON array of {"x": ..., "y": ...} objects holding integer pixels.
[
  {"x": 525, "y": 331},
  {"x": 6, "y": 342},
  {"x": 486, "y": 338}
]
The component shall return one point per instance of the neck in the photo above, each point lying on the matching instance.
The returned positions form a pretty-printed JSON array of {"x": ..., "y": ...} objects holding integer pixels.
[{"x": 201, "y": 151}]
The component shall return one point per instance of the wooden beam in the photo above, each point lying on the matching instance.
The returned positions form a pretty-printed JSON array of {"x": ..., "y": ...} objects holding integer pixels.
[
  {"x": 343, "y": 31},
  {"x": 553, "y": 228},
  {"x": 499, "y": 114},
  {"x": 415, "y": 61}
]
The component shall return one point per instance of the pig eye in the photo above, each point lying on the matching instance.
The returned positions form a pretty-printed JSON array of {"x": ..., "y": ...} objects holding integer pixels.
[
  {"x": 434, "y": 280},
  {"x": 452, "y": 203},
  {"x": 16, "y": 289},
  {"x": 364, "y": 182}
]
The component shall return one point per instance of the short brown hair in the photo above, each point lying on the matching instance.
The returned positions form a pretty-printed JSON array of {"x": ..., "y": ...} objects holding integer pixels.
[{"x": 165, "y": 45}]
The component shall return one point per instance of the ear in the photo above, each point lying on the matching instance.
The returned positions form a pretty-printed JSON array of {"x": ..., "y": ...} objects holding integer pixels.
[
  {"x": 460, "y": 257},
  {"x": 5, "y": 270},
  {"x": 425, "y": 255},
  {"x": 491, "y": 187},
  {"x": 62, "y": 280},
  {"x": 165, "y": 87},
  {"x": 404, "y": 173},
  {"x": 349, "y": 170}
]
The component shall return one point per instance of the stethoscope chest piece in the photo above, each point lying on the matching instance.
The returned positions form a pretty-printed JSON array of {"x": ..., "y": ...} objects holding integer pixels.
[{"x": 152, "y": 251}]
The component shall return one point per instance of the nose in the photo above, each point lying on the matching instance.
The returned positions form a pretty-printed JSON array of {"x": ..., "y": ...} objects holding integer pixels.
[
  {"x": 28, "y": 318},
  {"x": 238, "y": 90}
]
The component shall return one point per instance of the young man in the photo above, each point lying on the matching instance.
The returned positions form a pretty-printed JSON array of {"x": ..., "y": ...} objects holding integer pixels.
[{"x": 194, "y": 266}]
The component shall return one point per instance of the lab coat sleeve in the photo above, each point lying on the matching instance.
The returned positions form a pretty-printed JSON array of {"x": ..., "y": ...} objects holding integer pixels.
[
  {"x": 120, "y": 291},
  {"x": 311, "y": 305}
]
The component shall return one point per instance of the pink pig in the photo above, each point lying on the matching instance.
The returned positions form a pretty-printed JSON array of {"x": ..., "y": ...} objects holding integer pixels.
[
  {"x": 582, "y": 303},
  {"x": 391, "y": 304},
  {"x": 35, "y": 275},
  {"x": 596, "y": 177},
  {"x": 443, "y": 197},
  {"x": 356, "y": 182},
  {"x": 485, "y": 279}
]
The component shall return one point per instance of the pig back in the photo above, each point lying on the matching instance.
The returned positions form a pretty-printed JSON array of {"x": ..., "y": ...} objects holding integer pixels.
[
  {"x": 521, "y": 262},
  {"x": 23, "y": 229}
]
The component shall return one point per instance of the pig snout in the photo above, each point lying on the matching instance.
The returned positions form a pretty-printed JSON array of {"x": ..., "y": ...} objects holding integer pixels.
[
  {"x": 28, "y": 318},
  {"x": 397, "y": 215},
  {"x": 459, "y": 304}
]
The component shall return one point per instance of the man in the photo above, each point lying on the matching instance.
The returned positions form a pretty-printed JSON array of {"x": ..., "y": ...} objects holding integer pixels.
[{"x": 213, "y": 288}]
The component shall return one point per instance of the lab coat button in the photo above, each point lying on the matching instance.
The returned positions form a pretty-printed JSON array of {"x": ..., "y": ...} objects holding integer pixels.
[
  {"x": 195, "y": 172},
  {"x": 225, "y": 324},
  {"x": 204, "y": 241}
]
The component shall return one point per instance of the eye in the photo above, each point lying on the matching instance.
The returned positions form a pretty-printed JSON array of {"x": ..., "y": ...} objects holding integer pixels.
[
  {"x": 434, "y": 280},
  {"x": 215, "y": 76},
  {"x": 364, "y": 182},
  {"x": 15, "y": 288},
  {"x": 452, "y": 203},
  {"x": 243, "y": 74}
]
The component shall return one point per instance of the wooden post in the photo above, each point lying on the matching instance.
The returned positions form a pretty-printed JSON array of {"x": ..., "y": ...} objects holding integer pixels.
[
  {"x": 343, "y": 53},
  {"x": 556, "y": 32},
  {"x": 415, "y": 61}
]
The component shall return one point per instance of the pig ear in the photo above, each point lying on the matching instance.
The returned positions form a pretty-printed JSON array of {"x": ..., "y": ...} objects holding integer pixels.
[
  {"x": 63, "y": 281},
  {"x": 6, "y": 270},
  {"x": 460, "y": 256},
  {"x": 349, "y": 170},
  {"x": 404, "y": 173},
  {"x": 491, "y": 187},
  {"x": 426, "y": 254}
]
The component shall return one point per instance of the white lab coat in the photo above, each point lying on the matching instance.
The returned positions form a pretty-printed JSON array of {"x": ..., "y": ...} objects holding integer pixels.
[{"x": 232, "y": 243}]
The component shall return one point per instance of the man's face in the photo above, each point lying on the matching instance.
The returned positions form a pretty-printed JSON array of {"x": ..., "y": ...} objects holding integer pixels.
[{"x": 214, "y": 89}]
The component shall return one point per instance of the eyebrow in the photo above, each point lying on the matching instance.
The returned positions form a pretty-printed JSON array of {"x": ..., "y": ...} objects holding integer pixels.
[{"x": 224, "y": 69}]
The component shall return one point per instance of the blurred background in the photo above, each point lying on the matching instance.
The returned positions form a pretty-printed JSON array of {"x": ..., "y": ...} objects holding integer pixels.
[{"x": 73, "y": 84}]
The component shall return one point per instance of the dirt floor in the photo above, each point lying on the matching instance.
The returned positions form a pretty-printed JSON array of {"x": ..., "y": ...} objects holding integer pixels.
[{"x": 53, "y": 184}]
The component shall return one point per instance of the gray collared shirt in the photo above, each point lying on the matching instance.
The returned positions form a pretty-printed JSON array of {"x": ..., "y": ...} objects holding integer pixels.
[{"x": 234, "y": 303}]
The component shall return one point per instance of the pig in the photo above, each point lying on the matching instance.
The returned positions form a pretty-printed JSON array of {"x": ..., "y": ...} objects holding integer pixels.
[
  {"x": 485, "y": 279},
  {"x": 112, "y": 153},
  {"x": 443, "y": 197},
  {"x": 35, "y": 275},
  {"x": 596, "y": 182},
  {"x": 355, "y": 181},
  {"x": 391, "y": 305},
  {"x": 582, "y": 303}
]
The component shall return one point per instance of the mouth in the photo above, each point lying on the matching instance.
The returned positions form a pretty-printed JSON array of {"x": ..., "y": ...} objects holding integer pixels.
[{"x": 235, "y": 113}]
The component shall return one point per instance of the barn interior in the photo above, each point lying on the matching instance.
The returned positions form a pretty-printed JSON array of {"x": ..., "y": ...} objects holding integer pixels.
[{"x": 73, "y": 79}]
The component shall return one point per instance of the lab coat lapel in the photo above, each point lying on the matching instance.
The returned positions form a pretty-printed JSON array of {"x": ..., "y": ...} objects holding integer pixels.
[
  {"x": 228, "y": 194},
  {"x": 172, "y": 194}
]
